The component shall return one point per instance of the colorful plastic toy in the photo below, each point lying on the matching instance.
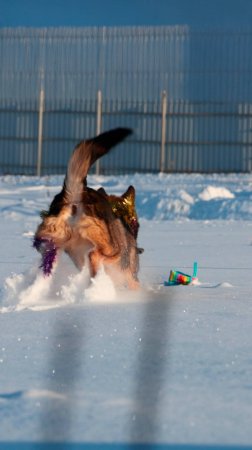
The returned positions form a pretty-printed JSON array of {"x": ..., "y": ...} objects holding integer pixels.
[{"x": 177, "y": 278}]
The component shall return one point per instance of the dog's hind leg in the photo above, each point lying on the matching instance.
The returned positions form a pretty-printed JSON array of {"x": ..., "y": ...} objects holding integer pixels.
[
  {"x": 126, "y": 277},
  {"x": 132, "y": 270},
  {"x": 132, "y": 282},
  {"x": 95, "y": 261}
]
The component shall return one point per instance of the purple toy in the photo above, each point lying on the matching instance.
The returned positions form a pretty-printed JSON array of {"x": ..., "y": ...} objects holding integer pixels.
[{"x": 48, "y": 251}]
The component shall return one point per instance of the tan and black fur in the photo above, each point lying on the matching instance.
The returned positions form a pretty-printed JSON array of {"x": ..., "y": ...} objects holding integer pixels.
[
  {"x": 81, "y": 221},
  {"x": 124, "y": 208}
]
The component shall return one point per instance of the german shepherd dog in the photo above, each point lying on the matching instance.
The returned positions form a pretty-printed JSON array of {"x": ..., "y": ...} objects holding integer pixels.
[{"x": 88, "y": 224}]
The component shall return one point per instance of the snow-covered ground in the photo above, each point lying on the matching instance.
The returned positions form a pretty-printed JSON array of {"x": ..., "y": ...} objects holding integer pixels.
[{"x": 81, "y": 362}]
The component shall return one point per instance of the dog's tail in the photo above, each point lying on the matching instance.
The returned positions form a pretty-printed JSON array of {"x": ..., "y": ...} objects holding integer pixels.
[{"x": 84, "y": 155}]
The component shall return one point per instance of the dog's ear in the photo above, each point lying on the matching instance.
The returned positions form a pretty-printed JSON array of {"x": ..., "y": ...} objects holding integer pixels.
[
  {"x": 43, "y": 214},
  {"x": 102, "y": 191},
  {"x": 57, "y": 204},
  {"x": 130, "y": 195}
]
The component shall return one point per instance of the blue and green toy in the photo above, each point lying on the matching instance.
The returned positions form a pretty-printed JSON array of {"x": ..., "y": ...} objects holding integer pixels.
[{"x": 177, "y": 277}]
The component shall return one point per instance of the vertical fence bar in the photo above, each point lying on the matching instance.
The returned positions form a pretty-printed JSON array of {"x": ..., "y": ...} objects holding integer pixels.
[
  {"x": 40, "y": 130},
  {"x": 98, "y": 125},
  {"x": 163, "y": 131}
]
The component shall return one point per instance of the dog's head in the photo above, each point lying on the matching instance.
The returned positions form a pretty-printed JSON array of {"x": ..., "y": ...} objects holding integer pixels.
[
  {"x": 124, "y": 208},
  {"x": 52, "y": 234}
]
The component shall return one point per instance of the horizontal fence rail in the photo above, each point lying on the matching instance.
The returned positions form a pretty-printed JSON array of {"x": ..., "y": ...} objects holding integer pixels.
[
  {"x": 189, "y": 137},
  {"x": 187, "y": 96}
]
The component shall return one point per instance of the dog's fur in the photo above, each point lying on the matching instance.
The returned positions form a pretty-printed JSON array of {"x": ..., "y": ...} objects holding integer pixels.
[
  {"x": 81, "y": 221},
  {"x": 124, "y": 208}
]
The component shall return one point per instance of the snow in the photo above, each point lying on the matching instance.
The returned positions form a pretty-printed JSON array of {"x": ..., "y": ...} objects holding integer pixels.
[
  {"x": 81, "y": 361},
  {"x": 212, "y": 192}
]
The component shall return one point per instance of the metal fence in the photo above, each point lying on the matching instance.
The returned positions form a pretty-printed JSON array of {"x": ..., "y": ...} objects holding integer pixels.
[{"x": 187, "y": 95}]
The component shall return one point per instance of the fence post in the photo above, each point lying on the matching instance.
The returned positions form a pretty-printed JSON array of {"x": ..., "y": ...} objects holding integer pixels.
[
  {"x": 40, "y": 130},
  {"x": 163, "y": 131},
  {"x": 98, "y": 125}
]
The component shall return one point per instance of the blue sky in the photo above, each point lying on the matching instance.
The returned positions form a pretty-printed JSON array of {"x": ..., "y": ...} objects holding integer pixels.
[{"x": 196, "y": 13}]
